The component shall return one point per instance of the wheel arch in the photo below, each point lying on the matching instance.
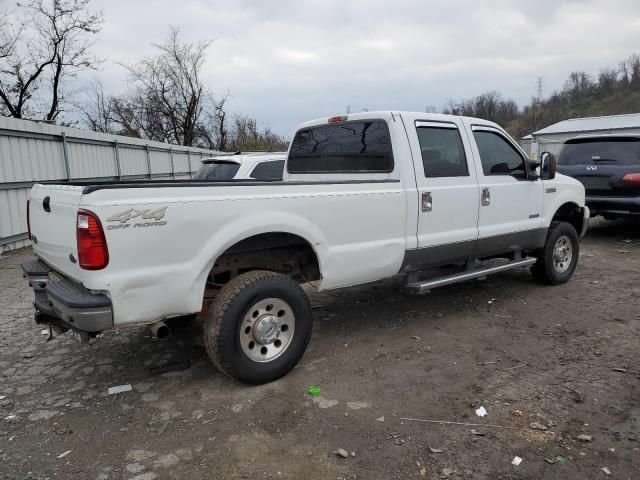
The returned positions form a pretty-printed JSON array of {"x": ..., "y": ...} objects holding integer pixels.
[
  {"x": 570, "y": 212},
  {"x": 260, "y": 251}
]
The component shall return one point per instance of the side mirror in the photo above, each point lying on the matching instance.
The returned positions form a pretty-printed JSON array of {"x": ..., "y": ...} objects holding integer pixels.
[
  {"x": 534, "y": 169},
  {"x": 549, "y": 165}
]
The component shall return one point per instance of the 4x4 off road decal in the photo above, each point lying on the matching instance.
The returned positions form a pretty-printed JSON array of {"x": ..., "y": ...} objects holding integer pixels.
[{"x": 156, "y": 218}]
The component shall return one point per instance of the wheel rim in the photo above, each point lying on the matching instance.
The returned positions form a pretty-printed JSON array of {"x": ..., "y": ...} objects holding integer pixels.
[
  {"x": 562, "y": 254},
  {"x": 267, "y": 329}
]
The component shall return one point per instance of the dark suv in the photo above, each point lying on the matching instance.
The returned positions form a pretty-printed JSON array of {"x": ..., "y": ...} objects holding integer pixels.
[{"x": 609, "y": 168}]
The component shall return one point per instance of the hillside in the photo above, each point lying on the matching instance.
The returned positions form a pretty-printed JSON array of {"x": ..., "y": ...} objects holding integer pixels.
[{"x": 613, "y": 91}]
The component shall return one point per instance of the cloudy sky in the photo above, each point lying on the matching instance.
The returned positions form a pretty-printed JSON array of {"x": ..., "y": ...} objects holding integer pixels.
[{"x": 284, "y": 62}]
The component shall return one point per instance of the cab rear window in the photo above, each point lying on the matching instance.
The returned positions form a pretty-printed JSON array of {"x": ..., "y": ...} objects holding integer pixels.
[
  {"x": 617, "y": 150},
  {"x": 346, "y": 147}
]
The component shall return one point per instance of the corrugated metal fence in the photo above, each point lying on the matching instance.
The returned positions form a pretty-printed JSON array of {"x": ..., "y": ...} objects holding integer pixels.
[{"x": 31, "y": 152}]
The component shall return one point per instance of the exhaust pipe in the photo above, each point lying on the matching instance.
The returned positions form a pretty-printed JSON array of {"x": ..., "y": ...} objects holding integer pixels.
[{"x": 160, "y": 330}]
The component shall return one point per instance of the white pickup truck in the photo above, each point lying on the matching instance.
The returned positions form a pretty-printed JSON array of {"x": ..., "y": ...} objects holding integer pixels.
[{"x": 363, "y": 197}]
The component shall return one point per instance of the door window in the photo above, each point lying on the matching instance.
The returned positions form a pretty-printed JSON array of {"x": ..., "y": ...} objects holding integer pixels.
[
  {"x": 498, "y": 156},
  {"x": 442, "y": 152}
]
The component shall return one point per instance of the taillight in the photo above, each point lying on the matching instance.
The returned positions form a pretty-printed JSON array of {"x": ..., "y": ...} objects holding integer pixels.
[
  {"x": 632, "y": 177},
  {"x": 92, "y": 245},
  {"x": 28, "y": 219}
]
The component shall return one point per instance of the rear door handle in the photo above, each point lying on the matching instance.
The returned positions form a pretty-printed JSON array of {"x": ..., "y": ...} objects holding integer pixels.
[
  {"x": 427, "y": 202},
  {"x": 486, "y": 196}
]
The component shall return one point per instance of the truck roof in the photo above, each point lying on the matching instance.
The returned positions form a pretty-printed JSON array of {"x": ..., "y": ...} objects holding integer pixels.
[{"x": 389, "y": 113}]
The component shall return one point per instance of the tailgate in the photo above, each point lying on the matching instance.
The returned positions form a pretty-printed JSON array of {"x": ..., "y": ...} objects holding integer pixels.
[{"x": 53, "y": 211}]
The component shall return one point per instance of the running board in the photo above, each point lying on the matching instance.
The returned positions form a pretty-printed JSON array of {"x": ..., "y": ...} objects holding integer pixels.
[{"x": 425, "y": 286}]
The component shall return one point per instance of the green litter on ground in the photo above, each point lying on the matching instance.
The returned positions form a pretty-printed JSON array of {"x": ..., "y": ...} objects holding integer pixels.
[{"x": 313, "y": 390}]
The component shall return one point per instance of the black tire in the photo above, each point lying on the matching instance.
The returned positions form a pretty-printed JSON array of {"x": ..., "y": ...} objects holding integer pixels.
[
  {"x": 546, "y": 269},
  {"x": 222, "y": 329}
]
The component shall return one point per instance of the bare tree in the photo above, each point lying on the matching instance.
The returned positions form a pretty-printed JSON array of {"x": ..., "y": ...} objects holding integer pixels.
[
  {"x": 213, "y": 129},
  {"x": 168, "y": 92},
  {"x": 247, "y": 136},
  {"x": 97, "y": 109},
  {"x": 578, "y": 84},
  {"x": 52, "y": 44},
  {"x": 8, "y": 36}
]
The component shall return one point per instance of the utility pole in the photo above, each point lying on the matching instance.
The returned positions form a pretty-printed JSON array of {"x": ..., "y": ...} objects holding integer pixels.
[
  {"x": 539, "y": 91},
  {"x": 540, "y": 87}
]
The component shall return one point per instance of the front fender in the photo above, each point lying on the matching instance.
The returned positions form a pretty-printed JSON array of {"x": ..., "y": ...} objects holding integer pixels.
[{"x": 558, "y": 192}]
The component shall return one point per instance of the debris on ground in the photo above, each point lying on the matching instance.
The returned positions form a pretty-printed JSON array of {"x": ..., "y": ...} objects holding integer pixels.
[
  {"x": 445, "y": 472},
  {"x": 481, "y": 412},
  {"x": 313, "y": 390},
  {"x": 473, "y": 431},
  {"x": 423, "y": 471},
  {"x": 447, "y": 422},
  {"x": 518, "y": 413},
  {"x": 435, "y": 450},
  {"x": 538, "y": 426},
  {"x": 550, "y": 461},
  {"x": 561, "y": 460},
  {"x": 172, "y": 366},
  {"x": 606, "y": 470},
  {"x": 64, "y": 454},
  {"x": 516, "y": 461},
  {"x": 380, "y": 419},
  {"x": 341, "y": 452},
  {"x": 120, "y": 389},
  {"x": 584, "y": 438},
  {"x": 621, "y": 370}
]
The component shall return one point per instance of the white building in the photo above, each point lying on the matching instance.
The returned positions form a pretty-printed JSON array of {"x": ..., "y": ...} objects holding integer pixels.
[{"x": 551, "y": 138}]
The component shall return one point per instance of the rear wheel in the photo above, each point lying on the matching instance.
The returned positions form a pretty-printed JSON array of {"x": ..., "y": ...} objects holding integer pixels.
[
  {"x": 559, "y": 256},
  {"x": 259, "y": 327}
]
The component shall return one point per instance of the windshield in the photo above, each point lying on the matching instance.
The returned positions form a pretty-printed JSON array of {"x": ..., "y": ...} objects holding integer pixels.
[
  {"x": 618, "y": 150},
  {"x": 217, "y": 171}
]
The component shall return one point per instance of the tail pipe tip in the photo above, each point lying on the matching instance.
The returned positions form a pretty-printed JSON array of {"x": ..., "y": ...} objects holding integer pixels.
[{"x": 160, "y": 330}]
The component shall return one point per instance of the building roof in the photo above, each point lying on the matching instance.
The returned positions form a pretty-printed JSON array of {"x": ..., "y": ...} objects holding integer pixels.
[{"x": 593, "y": 124}]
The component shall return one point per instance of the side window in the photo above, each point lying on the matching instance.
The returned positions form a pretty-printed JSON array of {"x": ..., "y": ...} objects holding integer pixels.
[
  {"x": 498, "y": 156},
  {"x": 442, "y": 152},
  {"x": 346, "y": 147},
  {"x": 269, "y": 170}
]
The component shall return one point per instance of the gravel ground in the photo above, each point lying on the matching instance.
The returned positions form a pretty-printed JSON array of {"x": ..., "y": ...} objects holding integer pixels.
[{"x": 556, "y": 368}]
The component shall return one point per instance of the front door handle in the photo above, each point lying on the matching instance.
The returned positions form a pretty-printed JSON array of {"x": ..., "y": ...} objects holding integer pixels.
[
  {"x": 486, "y": 196},
  {"x": 427, "y": 203}
]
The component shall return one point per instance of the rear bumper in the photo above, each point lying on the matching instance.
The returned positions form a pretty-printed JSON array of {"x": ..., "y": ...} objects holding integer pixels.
[
  {"x": 620, "y": 206},
  {"x": 64, "y": 303}
]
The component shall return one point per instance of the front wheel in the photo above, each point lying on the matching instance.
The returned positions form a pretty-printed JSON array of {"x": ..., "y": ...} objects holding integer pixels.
[
  {"x": 559, "y": 256},
  {"x": 259, "y": 328}
]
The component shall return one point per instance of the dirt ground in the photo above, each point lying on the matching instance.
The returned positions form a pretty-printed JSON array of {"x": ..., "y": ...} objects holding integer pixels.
[{"x": 565, "y": 358}]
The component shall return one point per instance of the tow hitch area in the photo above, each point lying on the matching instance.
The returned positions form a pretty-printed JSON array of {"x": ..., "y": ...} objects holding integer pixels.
[{"x": 65, "y": 305}]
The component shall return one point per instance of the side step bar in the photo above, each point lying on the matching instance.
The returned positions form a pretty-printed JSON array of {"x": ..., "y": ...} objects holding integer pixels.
[{"x": 426, "y": 285}]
